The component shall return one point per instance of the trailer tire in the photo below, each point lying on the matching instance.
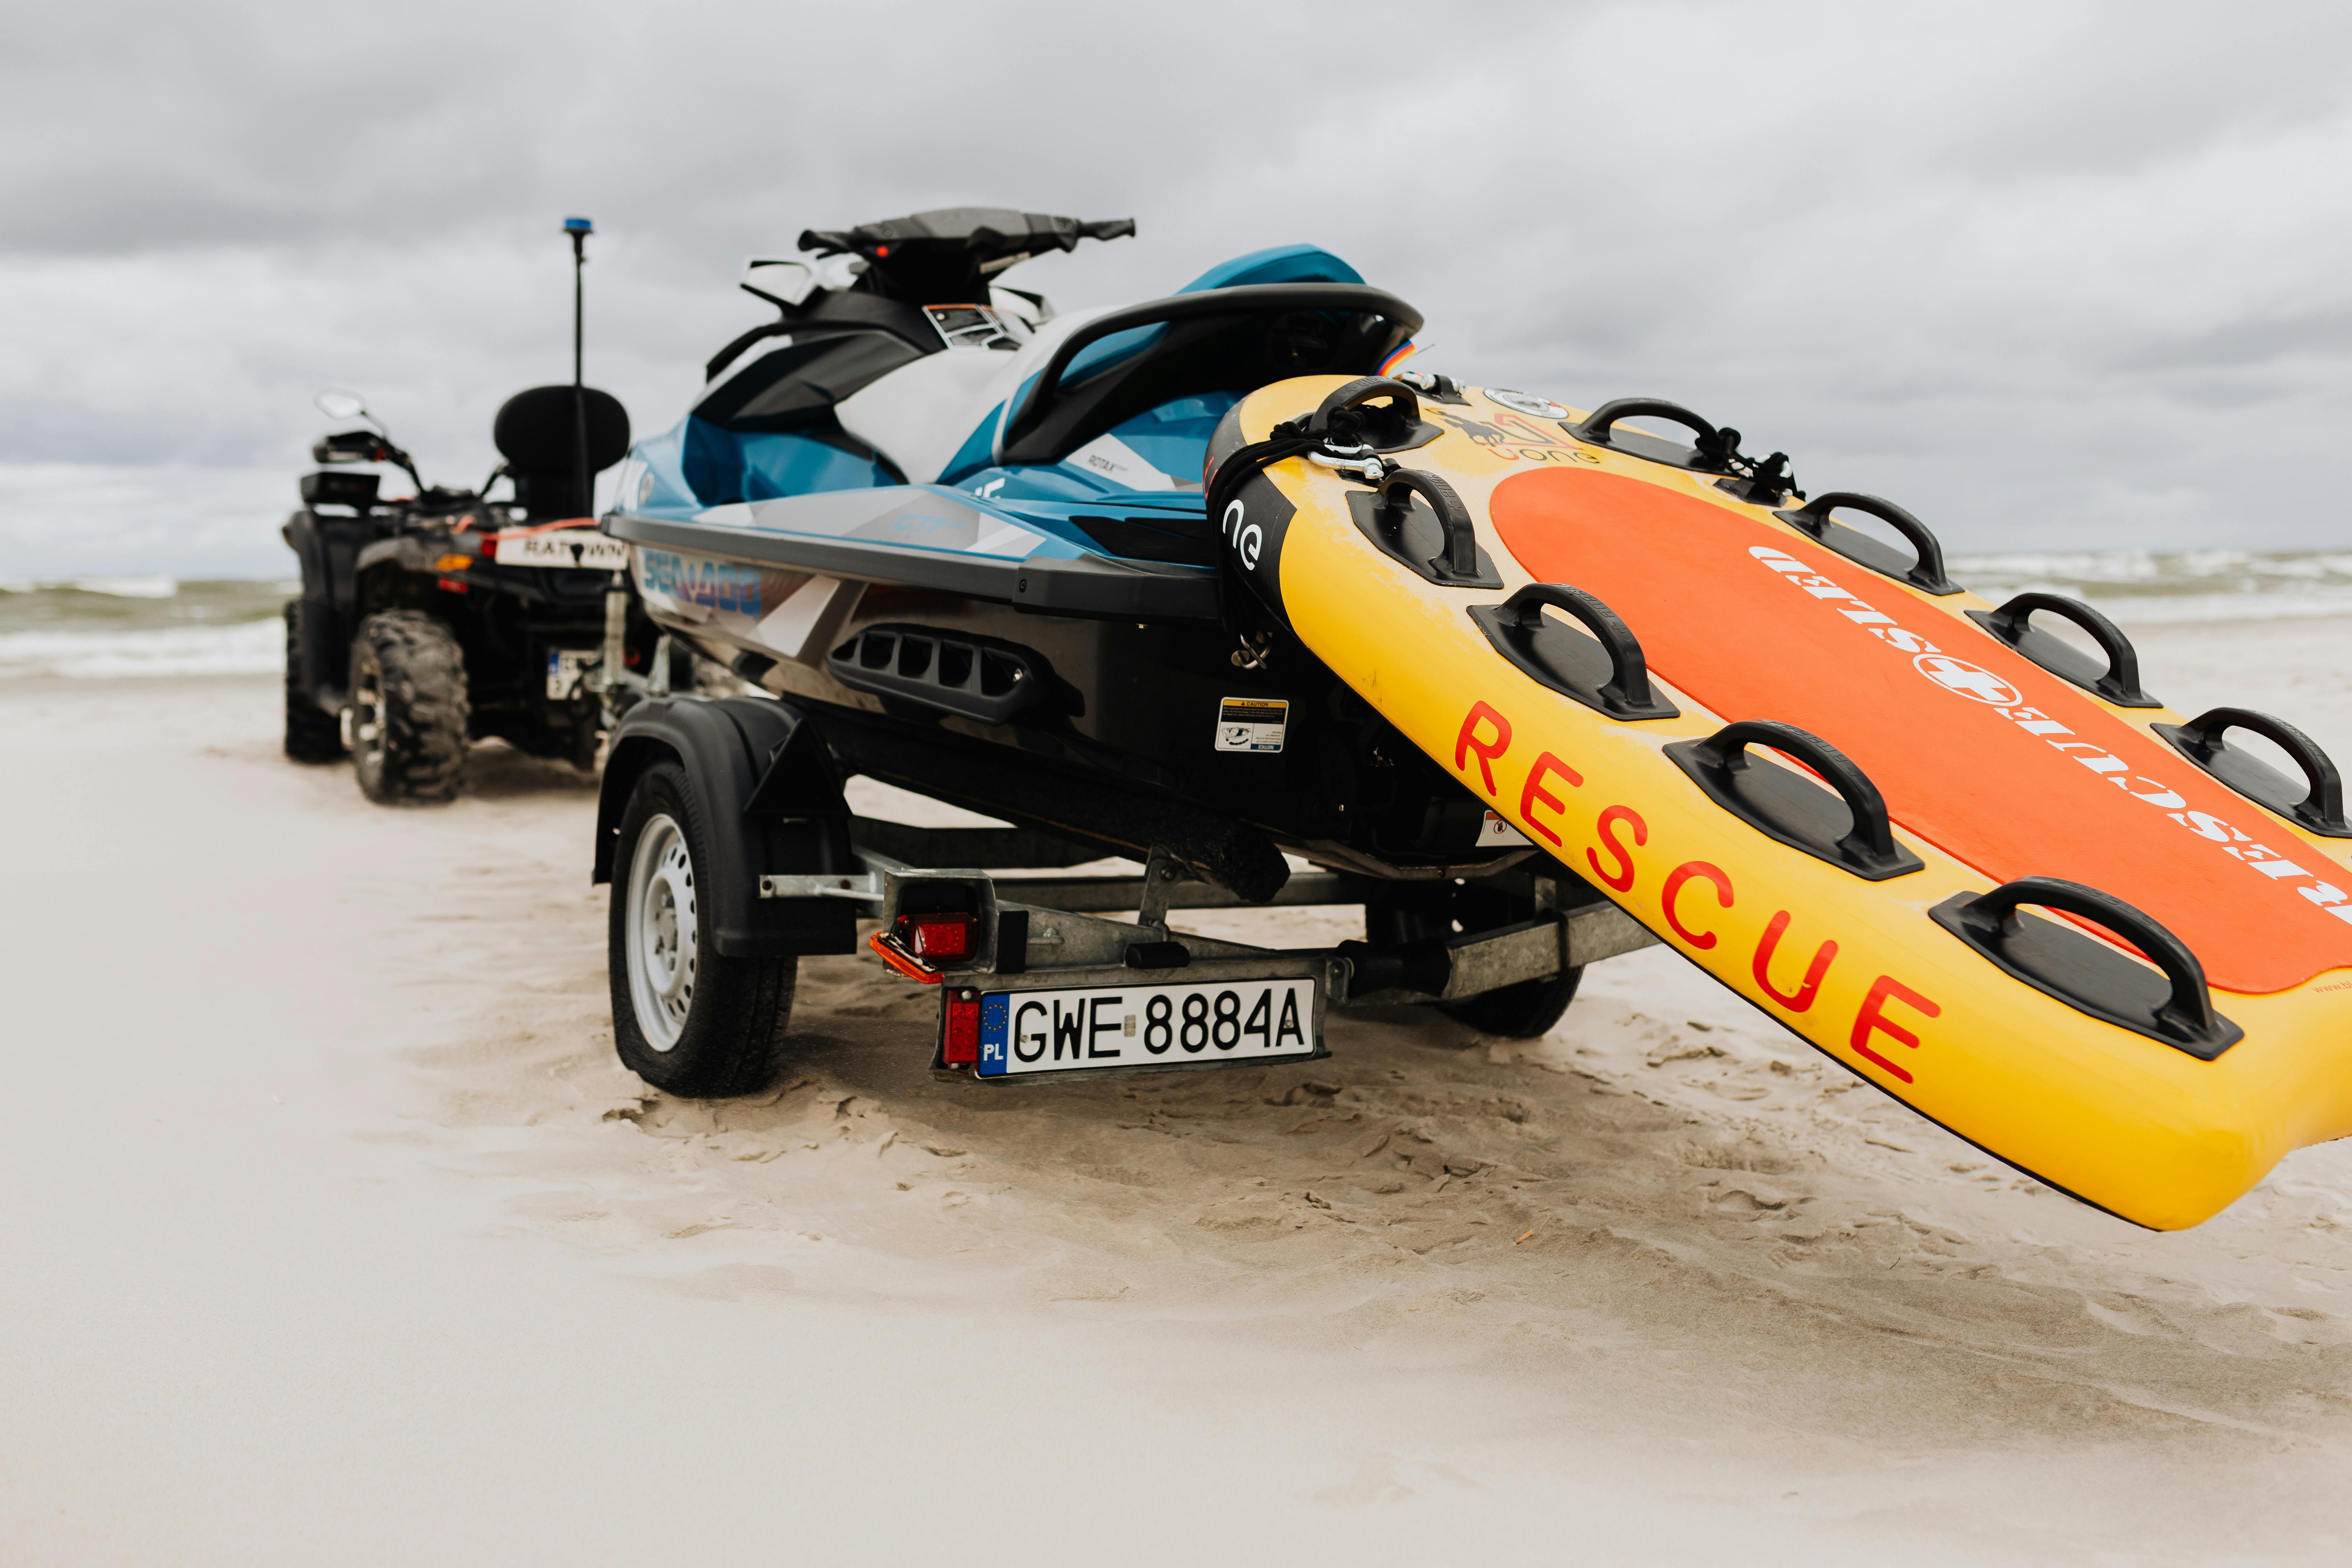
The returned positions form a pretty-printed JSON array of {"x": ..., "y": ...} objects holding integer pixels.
[
  {"x": 1522, "y": 1011},
  {"x": 409, "y": 709},
  {"x": 686, "y": 1018},
  {"x": 312, "y": 734}
]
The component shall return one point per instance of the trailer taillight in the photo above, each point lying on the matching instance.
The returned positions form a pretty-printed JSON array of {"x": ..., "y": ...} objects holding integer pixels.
[
  {"x": 959, "y": 1035},
  {"x": 938, "y": 936}
]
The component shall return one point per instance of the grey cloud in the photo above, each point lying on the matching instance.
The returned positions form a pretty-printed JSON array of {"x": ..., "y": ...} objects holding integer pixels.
[{"x": 2064, "y": 274}]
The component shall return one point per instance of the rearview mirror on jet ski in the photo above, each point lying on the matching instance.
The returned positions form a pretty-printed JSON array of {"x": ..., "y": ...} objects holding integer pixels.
[{"x": 780, "y": 282}]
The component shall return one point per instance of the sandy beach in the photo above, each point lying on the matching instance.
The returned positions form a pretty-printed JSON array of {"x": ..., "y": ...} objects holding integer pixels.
[{"x": 338, "y": 1235}]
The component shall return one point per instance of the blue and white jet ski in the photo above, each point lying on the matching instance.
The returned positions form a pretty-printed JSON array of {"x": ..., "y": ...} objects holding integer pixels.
[{"x": 962, "y": 542}]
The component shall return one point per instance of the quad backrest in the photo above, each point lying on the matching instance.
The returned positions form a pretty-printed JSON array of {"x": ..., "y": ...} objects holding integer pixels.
[{"x": 537, "y": 432}]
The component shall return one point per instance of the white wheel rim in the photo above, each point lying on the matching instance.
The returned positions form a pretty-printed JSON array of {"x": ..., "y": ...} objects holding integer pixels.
[
  {"x": 664, "y": 938},
  {"x": 367, "y": 714}
]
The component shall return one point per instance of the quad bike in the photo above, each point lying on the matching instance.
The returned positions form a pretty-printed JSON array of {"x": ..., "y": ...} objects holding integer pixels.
[{"x": 430, "y": 621}]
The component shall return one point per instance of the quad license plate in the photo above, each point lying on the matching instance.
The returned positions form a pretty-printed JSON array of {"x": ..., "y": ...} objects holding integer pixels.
[
  {"x": 1095, "y": 1027},
  {"x": 579, "y": 547}
]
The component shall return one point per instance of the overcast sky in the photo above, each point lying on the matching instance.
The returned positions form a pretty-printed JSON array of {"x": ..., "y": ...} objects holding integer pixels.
[{"x": 2048, "y": 274}]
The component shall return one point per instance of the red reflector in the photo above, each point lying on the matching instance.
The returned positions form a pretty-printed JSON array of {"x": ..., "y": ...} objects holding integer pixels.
[
  {"x": 960, "y": 1043},
  {"x": 947, "y": 936},
  {"x": 450, "y": 585}
]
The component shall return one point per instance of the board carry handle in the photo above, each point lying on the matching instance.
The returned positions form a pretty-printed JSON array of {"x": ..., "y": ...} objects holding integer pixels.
[
  {"x": 1867, "y": 849},
  {"x": 1597, "y": 425},
  {"x": 2013, "y": 625},
  {"x": 1395, "y": 502},
  {"x": 2321, "y": 808},
  {"x": 1404, "y": 406},
  {"x": 2186, "y": 1020},
  {"x": 1511, "y": 626},
  {"x": 1873, "y": 834},
  {"x": 1926, "y": 573}
]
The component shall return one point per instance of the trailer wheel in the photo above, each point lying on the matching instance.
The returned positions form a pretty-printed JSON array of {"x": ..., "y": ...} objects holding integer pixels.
[
  {"x": 1521, "y": 1011},
  {"x": 686, "y": 1018},
  {"x": 312, "y": 734},
  {"x": 409, "y": 708}
]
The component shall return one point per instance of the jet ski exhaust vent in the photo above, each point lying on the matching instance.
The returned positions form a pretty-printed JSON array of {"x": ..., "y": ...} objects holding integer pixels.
[{"x": 978, "y": 677}]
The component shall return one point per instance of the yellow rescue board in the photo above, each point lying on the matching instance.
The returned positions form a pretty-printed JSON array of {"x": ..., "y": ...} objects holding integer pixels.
[{"x": 1856, "y": 966}]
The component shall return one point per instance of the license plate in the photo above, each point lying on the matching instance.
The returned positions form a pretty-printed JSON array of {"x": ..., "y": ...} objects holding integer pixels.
[
  {"x": 581, "y": 549},
  {"x": 1095, "y": 1027},
  {"x": 564, "y": 668}
]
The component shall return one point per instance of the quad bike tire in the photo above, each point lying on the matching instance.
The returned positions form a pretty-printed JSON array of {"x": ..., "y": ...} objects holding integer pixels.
[
  {"x": 1523, "y": 1012},
  {"x": 686, "y": 1018},
  {"x": 409, "y": 709},
  {"x": 312, "y": 734}
]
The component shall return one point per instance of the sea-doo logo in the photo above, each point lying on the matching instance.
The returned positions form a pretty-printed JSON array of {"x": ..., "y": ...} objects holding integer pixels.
[
  {"x": 1967, "y": 679},
  {"x": 717, "y": 584}
]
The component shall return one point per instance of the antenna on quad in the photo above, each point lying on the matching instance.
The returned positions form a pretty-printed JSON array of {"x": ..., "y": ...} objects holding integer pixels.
[{"x": 580, "y": 229}]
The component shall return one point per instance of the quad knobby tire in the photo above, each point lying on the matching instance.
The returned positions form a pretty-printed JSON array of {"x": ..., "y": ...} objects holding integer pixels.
[
  {"x": 1522, "y": 1011},
  {"x": 312, "y": 734},
  {"x": 686, "y": 1018},
  {"x": 409, "y": 708}
]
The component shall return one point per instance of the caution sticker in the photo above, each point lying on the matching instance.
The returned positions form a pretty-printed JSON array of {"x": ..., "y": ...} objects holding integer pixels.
[
  {"x": 1252, "y": 724},
  {"x": 1496, "y": 833}
]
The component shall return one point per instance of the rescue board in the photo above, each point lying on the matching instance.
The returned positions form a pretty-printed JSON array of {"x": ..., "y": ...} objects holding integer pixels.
[{"x": 1973, "y": 862}]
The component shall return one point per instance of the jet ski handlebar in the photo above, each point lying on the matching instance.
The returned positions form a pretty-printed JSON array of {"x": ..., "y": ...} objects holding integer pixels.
[{"x": 1241, "y": 301}]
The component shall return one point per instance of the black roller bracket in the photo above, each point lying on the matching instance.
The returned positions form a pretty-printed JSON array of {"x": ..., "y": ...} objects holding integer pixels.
[
  {"x": 2118, "y": 682},
  {"x": 977, "y": 678},
  {"x": 1354, "y": 415},
  {"x": 1765, "y": 482},
  {"x": 1608, "y": 675},
  {"x": 1924, "y": 572},
  {"x": 2091, "y": 977},
  {"x": 2317, "y": 807},
  {"x": 1416, "y": 520},
  {"x": 1783, "y": 804}
]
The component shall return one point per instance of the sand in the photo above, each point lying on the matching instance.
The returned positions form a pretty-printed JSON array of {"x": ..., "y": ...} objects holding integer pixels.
[{"x": 336, "y": 1234}]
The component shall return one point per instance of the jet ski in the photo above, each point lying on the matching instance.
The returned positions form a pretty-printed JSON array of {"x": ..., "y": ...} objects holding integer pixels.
[{"x": 1213, "y": 583}]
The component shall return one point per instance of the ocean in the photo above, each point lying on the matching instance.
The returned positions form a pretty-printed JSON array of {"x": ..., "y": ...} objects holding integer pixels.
[{"x": 113, "y": 627}]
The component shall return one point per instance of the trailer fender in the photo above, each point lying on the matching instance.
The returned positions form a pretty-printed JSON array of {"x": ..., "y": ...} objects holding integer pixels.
[{"x": 769, "y": 800}]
